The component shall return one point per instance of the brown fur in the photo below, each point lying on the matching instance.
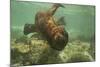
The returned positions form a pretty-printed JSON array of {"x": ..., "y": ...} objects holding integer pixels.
[
  {"x": 53, "y": 32},
  {"x": 46, "y": 24}
]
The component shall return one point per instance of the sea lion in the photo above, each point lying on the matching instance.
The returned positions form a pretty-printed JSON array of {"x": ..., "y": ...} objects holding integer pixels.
[{"x": 45, "y": 23}]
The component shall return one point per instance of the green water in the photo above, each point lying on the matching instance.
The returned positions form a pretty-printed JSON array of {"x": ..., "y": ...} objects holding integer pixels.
[
  {"x": 80, "y": 19},
  {"x": 80, "y": 25}
]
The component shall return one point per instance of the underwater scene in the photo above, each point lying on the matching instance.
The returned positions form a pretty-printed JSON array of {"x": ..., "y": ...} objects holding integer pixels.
[{"x": 51, "y": 33}]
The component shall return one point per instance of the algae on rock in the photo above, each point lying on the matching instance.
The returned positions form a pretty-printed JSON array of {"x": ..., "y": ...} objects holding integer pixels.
[{"x": 38, "y": 51}]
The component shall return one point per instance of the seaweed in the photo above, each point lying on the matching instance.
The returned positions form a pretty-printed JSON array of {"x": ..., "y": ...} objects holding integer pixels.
[{"x": 39, "y": 52}]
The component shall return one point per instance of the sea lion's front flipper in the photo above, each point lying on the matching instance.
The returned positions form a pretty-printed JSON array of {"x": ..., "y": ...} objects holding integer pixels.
[
  {"x": 61, "y": 21},
  {"x": 29, "y": 28},
  {"x": 54, "y": 8}
]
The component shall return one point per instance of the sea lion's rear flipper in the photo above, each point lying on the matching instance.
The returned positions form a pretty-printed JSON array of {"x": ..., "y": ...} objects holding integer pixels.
[
  {"x": 61, "y": 21},
  {"x": 54, "y": 8},
  {"x": 29, "y": 28}
]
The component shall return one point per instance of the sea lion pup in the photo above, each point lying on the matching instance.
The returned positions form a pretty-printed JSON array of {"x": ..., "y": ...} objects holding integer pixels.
[{"x": 55, "y": 34}]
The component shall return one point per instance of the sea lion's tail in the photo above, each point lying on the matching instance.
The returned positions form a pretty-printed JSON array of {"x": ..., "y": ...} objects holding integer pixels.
[
  {"x": 54, "y": 8},
  {"x": 58, "y": 5}
]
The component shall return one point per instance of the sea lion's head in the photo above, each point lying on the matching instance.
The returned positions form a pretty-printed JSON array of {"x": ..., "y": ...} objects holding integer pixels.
[{"x": 60, "y": 41}]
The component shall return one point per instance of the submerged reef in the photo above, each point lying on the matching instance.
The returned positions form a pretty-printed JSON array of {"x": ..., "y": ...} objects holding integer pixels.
[{"x": 38, "y": 51}]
